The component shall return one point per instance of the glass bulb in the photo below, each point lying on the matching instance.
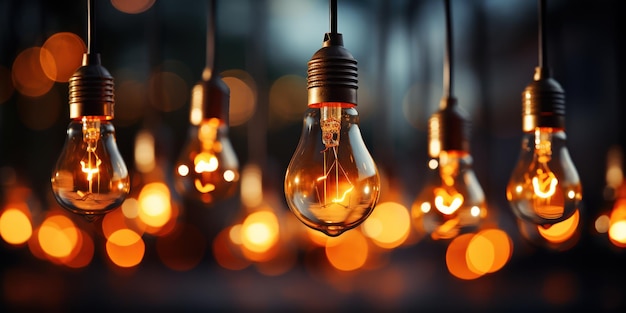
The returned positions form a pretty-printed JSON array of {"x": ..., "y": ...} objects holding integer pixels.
[
  {"x": 207, "y": 170},
  {"x": 332, "y": 183},
  {"x": 452, "y": 200},
  {"x": 544, "y": 188},
  {"x": 90, "y": 176}
]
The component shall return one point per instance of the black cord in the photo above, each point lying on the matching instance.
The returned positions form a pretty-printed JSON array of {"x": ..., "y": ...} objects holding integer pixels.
[
  {"x": 333, "y": 16},
  {"x": 543, "y": 49},
  {"x": 91, "y": 28},
  {"x": 210, "y": 35},
  {"x": 447, "y": 66}
]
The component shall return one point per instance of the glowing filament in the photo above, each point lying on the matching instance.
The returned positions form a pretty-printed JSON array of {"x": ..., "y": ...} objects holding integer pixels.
[
  {"x": 203, "y": 188},
  {"x": 90, "y": 171},
  {"x": 446, "y": 203},
  {"x": 547, "y": 187},
  {"x": 205, "y": 162},
  {"x": 343, "y": 197}
]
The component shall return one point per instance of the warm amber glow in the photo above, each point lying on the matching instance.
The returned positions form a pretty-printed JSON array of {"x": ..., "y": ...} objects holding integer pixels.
[
  {"x": 388, "y": 225},
  {"x": 316, "y": 237},
  {"x": 347, "y": 252},
  {"x": 28, "y": 75},
  {"x": 447, "y": 203},
  {"x": 562, "y": 231},
  {"x": 15, "y": 226},
  {"x": 125, "y": 248},
  {"x": 145, "y": 152},
  {"x": 488, "y": 251},
  {"x": 57, "y": 236},
  {"x": 252, "y": 186},
  {"x": 132, "y": 6},
  {"x": 456, "y": 258},
  {"x": 259, "y": 231},
  {"x": 617, "y": 233},
  {"x": 65, "y": 54},
  {"x": 544, "y": 184},
  {"x": 480, "y": 254},
  {"x": 155, "y": 208},
  {"x": 617, "y": 223}
]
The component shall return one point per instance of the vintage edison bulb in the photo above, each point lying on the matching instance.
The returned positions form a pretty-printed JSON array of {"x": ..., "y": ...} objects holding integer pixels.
[
  {"x": 544, "y": 187},
  {"x": 207, "y": 169},
  {"x": 452, "y": 200},
  {"x": 332, "y": 183},
  {"x": 90, "y": 176}
]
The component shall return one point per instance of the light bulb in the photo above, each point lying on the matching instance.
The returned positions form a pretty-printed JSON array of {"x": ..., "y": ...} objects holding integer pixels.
[
  {"x": 332, "y": 183},
  {"x": 544, "y": 187},
  {"x": 207, "y": 169},
  {"x": 90, "y": 176},
  {"x": 452, "y": 200}
]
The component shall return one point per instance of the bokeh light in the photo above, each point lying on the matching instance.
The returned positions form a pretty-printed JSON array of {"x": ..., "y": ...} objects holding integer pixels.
[
  {"x": 61, "y": 55},
  {"x": 388, "y": 225},
  {"x": 259, "y": 234},
  {"x": 15, "y": 226},
  {"x": 347, "y": 252},
  {"x": 130, "y": 99},
  {"x": 58, "y": 236},
  {"x": 132, "y": 6},
  {"x": 167, "y": 91},
  {"x": 228, "y": 253},
  {"x": 242, "y": 96},
  {"x": 28, "y": 75},
  {"x": 288, "y": 100},
  {"x": 155, "y": 209},
  {"x": 456, "y": 259},
  {"x": 125, "y": 248}
]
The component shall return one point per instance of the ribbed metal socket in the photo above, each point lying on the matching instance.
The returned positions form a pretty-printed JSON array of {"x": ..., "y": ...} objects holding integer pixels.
[
  {"x": 332, "y": 73},
  {"x": 543, "y": 103},
  {"x": 91, "y": 90},
  {"x": 448, "y": 129},
  {"x": 210, "y": 98}
]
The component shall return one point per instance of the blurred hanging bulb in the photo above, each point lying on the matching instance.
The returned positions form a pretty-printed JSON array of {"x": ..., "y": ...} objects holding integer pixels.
[
  {"x": 452, "y": 200},
  {"x": 207, "y": 169},
  {"x": 332, "y": 183},
  {"x": 90, "y": 176},
  {"x": 544, "y": 187}
]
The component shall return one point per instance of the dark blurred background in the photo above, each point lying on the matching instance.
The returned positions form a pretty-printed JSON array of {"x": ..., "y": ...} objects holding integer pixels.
[{"x": 156, "y": 56}]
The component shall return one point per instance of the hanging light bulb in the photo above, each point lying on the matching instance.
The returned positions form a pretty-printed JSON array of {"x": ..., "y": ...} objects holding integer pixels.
[
  {"x": 452, "y": 199},
  {"x": 544, "y": 187},
  {"x": 332, "y": 183},
  {"x": 90, "y": 176},
  {"x": 207, "y": 169}
]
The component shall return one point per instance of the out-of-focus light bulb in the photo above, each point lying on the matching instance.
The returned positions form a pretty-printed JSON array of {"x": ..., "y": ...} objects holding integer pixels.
[
  {"x": 332, "y": 183},
  {"x": 90, "y": 176},
  {"x": 544, "y": 187},
  {"x": 207, "y": 169},
  {"x": 452, "y": 199}
]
